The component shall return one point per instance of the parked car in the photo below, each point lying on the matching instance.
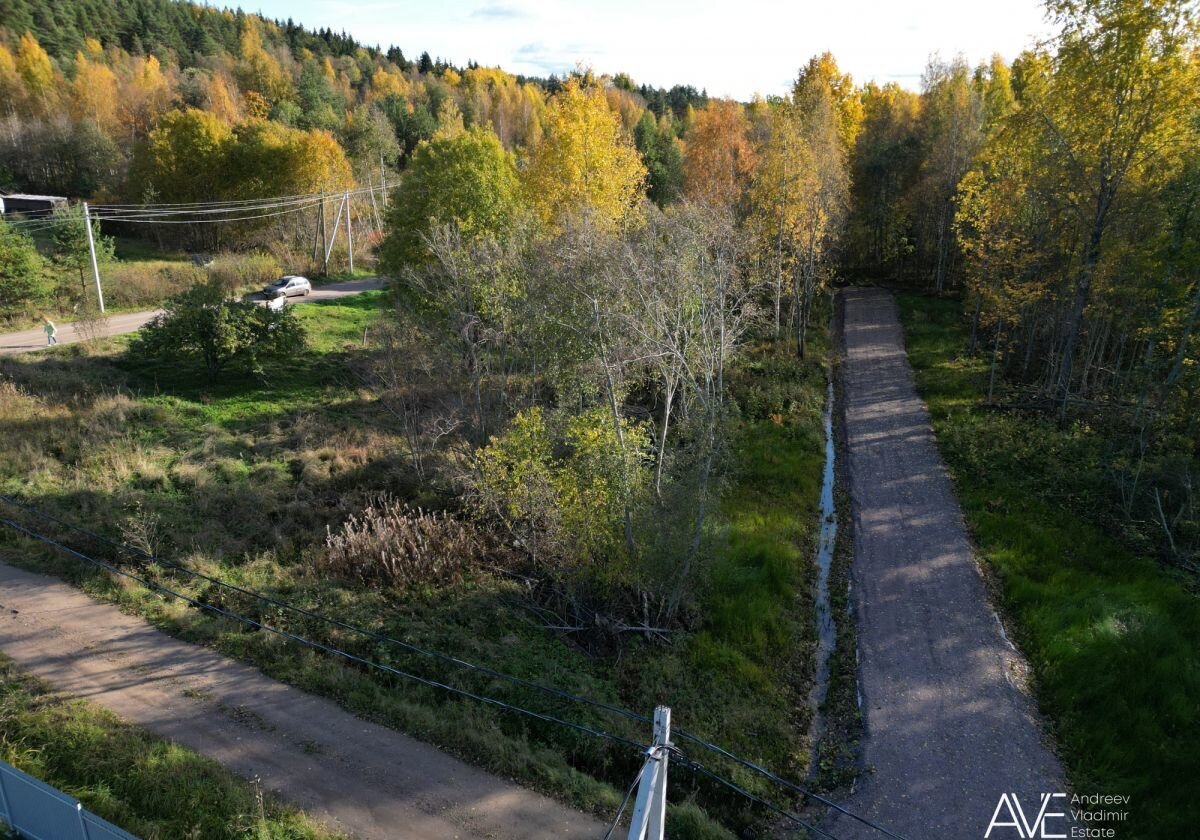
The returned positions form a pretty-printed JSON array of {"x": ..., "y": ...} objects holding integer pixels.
[{"x": 290, "y": 285}]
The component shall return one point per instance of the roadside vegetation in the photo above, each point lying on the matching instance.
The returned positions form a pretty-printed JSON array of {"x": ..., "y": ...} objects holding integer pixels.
[
  {"x": 147, "y": 785},
  {"x": 1111, "y": 632}
]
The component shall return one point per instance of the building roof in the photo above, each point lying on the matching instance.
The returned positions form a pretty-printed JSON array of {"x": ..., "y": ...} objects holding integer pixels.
[{"x": 31, "y": 197}]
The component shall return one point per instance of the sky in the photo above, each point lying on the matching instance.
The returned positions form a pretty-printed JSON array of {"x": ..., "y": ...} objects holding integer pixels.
[{"x": 732, "y": 48}]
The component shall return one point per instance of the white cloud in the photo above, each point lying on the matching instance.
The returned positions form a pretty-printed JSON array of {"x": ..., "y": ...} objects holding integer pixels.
[{"x": 729, "y": 48}]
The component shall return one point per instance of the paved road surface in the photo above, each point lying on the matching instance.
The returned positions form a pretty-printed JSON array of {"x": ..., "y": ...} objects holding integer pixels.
[
  {"x": 364, "y": 779},
  {"x": 28, "y": 341},
  {"x": 947, "y": 732}
]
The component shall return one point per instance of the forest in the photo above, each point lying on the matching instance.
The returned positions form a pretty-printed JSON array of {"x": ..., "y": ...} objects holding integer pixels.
[{"x": 608, "y": 330}]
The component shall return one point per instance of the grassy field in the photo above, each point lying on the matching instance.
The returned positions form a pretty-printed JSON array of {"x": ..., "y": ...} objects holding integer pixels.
[
  {"x": 241, "y": 479},
  {"x": 1113, "y": 637},
  {"x": 152, "y": 788}
]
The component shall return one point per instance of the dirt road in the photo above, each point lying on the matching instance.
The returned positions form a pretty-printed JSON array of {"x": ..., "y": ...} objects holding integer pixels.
[
  {"x": 947, "y": 731},
  {"x": 364, "y": 779},
  {"x": 27, "y": 341}
]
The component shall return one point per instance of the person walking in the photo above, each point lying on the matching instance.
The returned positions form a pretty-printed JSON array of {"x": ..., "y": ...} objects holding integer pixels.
[{"x": 51, "y": 332}]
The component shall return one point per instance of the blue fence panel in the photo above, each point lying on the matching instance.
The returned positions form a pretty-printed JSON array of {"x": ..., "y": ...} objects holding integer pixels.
[{"x": 40, "y": 812}]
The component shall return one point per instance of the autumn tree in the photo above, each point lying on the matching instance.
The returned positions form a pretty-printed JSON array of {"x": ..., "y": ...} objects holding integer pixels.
[
  {"x": 586, "y": 162},
  {"x": 718, "y": 159},
  {"x": 183, "y": 160},
  {"x": 1117, "y": 103}
]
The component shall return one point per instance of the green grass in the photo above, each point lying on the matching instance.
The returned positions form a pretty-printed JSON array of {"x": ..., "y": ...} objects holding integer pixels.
[
  {"x": 1112, "y": 636},
  {"x": 151, "y": 787},
  {"x": 241, "y": 478}
]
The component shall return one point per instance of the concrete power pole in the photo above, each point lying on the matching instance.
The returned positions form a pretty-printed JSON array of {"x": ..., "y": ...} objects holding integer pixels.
[
  {"x": 324, "y": 250},
  {"x": 87, "y": 222},
  {"x": 650, "y": 807},
  {"x": 349, "y": 233}
]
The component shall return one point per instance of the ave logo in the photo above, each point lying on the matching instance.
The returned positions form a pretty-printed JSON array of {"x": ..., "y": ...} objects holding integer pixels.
[{"x": 1010, "y": 815}]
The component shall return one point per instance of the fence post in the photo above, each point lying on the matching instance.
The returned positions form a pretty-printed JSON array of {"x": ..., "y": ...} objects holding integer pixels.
[{"x": 650, "y": 807}]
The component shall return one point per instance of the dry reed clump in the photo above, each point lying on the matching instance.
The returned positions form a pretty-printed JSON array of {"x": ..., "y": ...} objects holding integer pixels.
[
  {"x": 391, "y": 544},
  {"x": 244, "y": 272},
  {"x": 148, "y": 283}
]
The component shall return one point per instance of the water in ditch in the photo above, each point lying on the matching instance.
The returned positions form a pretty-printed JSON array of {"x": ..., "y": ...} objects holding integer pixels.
[{"x": 826, "y": 630}]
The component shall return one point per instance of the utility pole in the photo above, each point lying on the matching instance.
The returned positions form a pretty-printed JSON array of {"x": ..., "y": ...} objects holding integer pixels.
[
  {"x": 87, "y": 222},
  {"x": 333, "y": 236},
  {"x": 382, "y": 181},
  {"x": 349, "y": 232},
  {"x": 650, "y": 808},
  {"x": 324, "y": 250}
]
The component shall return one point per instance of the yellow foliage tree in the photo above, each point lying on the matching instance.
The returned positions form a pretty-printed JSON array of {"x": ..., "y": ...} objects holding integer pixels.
[
  {"x": 94, "y": 93},
  {"x": 718, "y": 159},
  {"x": 585, "y": 162},
  {"x": 12, "y": 91},
  {"x": 145, "y": 96},
  {"x": 221, "y": 99},
  {"x": 259, "y": 71},
  {"x": 37, "y": 73}
]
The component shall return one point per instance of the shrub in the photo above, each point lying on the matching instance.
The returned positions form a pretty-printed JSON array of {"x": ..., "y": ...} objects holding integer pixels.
[
  {"x": 201, "y": 324},
  {"x": 241, "y": 272},
  {"x": 561, "y": 485},
  {"x": 391, "y": 544}
]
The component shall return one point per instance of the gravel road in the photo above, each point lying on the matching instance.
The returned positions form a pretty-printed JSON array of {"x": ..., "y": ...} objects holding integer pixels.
[
  {"x": 947, "y": 730},
  {"x": 28, "y": 341},
  {"x": 360, "y": 778}
]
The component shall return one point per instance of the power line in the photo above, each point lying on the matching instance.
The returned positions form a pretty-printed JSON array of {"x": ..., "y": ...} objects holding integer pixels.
[
  {"x": 750, "y": 765},
  {"x": 370, "y": 634},
  {"x": 628, "y": 793},
  {"x": 324, "y": 648},
  {"x": 383, "y": 639},
  {"x": 330, "y": 194},
  {"x": 697, "y": 767},
  {"x": 155, "y": 220}
]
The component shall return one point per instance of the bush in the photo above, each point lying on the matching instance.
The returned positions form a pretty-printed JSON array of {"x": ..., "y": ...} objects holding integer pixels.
[
  {"x": 203, "y": 325},
  {"x": 561, "y": 485},
  {"x": 243, "y": 272},
  {"x": 391, "y": 544}
]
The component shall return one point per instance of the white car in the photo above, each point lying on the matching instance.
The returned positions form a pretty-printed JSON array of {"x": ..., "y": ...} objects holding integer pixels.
[{"x": 290, "y": 285}]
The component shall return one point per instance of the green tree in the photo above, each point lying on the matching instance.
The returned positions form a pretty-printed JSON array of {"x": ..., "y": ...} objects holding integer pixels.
[
  {"x": 71, "y": 255},
  {"x": 20, "y": 269},
  {"x": 202, "y": 325},
  {"x": 467, "y": 180},
  {"x": 662, "y": 154}
]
